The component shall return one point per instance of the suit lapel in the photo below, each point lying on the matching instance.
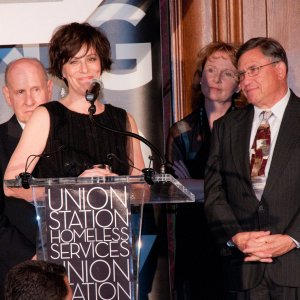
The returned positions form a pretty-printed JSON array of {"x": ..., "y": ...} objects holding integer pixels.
[
  {"x": 288, "y": 135},
  {"x": 240, "y": 137},
  {"x": 10, "y": 136},
  {"x": 14, "y": 129},
  {"x": 14, "y": 132}
]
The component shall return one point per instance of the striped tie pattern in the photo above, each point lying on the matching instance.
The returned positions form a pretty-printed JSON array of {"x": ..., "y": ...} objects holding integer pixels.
[{"x": 261, "y": 146}]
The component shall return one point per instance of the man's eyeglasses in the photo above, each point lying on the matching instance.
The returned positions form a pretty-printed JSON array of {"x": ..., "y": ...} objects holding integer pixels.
[
  {"x": 253, "y": 71},
  {"x": 227, "y": 74}
]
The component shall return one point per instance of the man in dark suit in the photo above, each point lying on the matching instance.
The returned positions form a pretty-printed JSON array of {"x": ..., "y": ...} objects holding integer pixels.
[
  {"x": 257, "y": 225},
  {"x": 26, "y": 87}
]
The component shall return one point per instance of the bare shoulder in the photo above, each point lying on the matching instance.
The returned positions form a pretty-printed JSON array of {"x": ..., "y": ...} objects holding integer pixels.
[
  {"x": 40, "y": 118},
  {"x": 132, "y": 121},
  {"x": 37, "y": 126},
  {"x": 130, "y": 117},
  {"x": 40, "y": 111}
]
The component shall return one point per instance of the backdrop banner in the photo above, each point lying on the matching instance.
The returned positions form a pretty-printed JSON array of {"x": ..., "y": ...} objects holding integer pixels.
[{"x": 134, "y": 82}]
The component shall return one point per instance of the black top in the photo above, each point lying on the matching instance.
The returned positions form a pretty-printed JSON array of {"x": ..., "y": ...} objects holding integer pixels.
[
  {"x": 189, "y": 141},
  {"x": 75, "y": 144},
  {"x": 198, "y": 273}
]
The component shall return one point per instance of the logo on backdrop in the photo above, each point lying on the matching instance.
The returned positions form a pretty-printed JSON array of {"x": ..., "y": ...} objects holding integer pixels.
[
  {"x": 134, "y": 83},
  {"x": 139, "y": 52},
  {"x": 33, "y": 21}
]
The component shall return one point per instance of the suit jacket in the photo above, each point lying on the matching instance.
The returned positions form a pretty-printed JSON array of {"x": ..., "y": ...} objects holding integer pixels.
[
  {"x": 231, "y": 205},
  {"x": 17, "y": 217}
]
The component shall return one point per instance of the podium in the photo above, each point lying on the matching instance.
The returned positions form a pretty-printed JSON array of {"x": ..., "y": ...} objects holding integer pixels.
[{"x": 93, "y": 227}]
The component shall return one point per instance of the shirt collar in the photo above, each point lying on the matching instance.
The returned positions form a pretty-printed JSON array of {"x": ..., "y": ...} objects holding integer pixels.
[
  {"x": 278, "y": 109},
  {"x": 21, "y": 124}
]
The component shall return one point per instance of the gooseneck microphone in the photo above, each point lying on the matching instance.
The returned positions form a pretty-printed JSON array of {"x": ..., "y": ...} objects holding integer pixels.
[
  {"x": 92, "y": 93},
  {"x": 148, "y": 172},
  {"x": 26, "y": 176}
]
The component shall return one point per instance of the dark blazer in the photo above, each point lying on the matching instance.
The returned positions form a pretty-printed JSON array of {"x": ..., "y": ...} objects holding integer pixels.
[
  {"x": 231, "y": 205},
  {"x": 17, "y": 217}
]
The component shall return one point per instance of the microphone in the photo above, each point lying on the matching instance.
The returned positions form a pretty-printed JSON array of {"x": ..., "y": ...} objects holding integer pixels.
[
  {"x": 92, "y": 93},
  {"x": 148, "y": 172},
  {"x": 26, "y": 176}
]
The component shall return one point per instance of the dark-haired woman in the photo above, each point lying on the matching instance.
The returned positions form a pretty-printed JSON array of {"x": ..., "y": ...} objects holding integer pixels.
[{"x": 78, "y": 53}]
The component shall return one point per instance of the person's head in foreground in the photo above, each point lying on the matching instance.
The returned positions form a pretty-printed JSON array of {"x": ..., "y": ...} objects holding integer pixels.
[{"x": 37, "y": 280}]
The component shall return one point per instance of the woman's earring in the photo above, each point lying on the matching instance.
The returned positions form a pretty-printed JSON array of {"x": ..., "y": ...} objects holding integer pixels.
[{"x": 63, "y": 91}]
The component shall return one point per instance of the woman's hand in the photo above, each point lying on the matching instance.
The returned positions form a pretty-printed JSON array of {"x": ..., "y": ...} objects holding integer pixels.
[{"x": 98, "y": 171}]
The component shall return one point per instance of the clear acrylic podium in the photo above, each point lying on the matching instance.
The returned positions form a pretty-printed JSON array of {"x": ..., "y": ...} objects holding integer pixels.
[{"x": 93, "y": 226}]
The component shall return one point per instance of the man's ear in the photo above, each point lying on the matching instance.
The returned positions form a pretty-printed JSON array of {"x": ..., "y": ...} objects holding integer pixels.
[
  {"x": 5, "y": 91},
  {"x": 281, "y": 70}
]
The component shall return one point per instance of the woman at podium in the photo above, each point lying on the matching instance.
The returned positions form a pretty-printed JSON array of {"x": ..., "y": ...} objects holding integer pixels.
[{"x": 60, "y": 140}]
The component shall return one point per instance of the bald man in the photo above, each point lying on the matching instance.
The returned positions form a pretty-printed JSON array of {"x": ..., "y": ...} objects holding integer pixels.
[{"x": 26, "y": 87}]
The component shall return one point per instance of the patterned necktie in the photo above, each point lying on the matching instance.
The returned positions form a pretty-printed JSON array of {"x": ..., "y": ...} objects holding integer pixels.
[{"x": 261, "y": 146}]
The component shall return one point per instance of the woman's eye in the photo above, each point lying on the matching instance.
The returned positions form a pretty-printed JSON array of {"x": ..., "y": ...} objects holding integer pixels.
[{"x": 92, "y": 58}]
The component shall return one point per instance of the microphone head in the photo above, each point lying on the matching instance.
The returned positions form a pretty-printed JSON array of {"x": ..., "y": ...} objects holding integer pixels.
[
  {"x": 93, "y": 91},
  {"x": 25, "y": 179}
]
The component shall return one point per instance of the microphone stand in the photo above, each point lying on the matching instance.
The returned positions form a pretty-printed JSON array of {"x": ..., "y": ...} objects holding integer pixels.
[
  {"x": 25, "y": 176},
  {"x": 148, "y": 172}
]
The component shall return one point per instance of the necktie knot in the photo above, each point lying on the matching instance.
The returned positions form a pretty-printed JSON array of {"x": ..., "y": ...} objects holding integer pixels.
[{"x": 266, "y": 114}]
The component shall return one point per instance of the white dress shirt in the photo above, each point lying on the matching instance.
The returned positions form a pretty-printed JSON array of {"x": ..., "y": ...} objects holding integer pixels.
[{"x": 274, "y": 121}]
